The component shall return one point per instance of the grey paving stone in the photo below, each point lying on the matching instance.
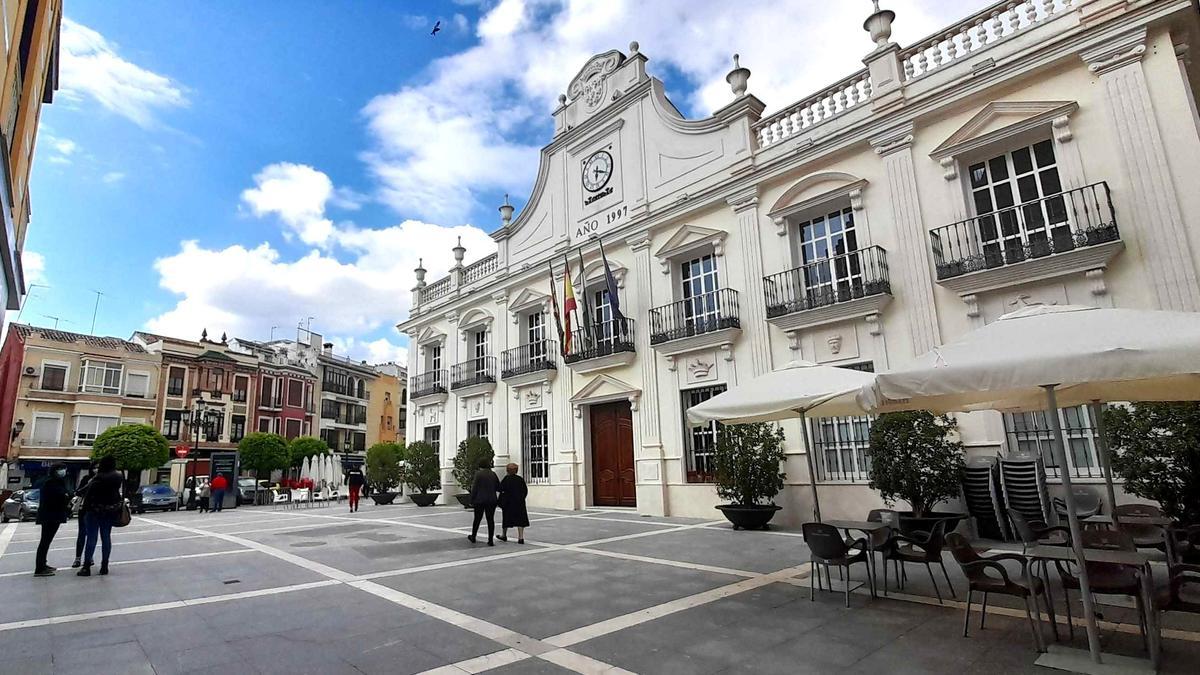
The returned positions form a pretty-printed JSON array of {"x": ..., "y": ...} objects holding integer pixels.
[
  {"x": 530, "y": 667},
  {"x": 750, "y": 551},
  {"x": 578, "y": 530}
]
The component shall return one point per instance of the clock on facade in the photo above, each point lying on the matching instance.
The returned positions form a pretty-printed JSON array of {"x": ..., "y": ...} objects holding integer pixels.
[{"x": 597, "y": 169}]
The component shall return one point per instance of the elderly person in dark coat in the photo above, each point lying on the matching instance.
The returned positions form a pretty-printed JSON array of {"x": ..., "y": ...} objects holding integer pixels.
[
  {"x": 512, "y": 500},
  {"x": 483, "y": 499},
  {"x": 53, "y": 511}
]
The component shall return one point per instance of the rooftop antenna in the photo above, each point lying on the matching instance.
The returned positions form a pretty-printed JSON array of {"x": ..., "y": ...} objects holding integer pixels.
[
  {"x": 28, "y": 297},
  {"x": 56, "y": 320},
  {"x": 95, "y": 310},
  {"x": 273, "y": 333},
  {"x": 308, "y": 325}
]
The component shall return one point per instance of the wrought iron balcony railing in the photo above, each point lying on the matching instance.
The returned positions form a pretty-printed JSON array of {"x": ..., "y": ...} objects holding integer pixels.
[
  {"x": 1051, "y": 225},
  {"x": 699, "y": 314},
  {"x": 427, "y": 384},
  {"x": 824, "y": 282},
  {"x": 479, "y": 370},
  {"x": 530, "y": 358},
  {"x": 605, "y": 338}
]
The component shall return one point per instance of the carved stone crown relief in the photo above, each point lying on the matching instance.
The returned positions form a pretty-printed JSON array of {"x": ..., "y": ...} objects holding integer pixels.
[{"x": 588, "y": 85}]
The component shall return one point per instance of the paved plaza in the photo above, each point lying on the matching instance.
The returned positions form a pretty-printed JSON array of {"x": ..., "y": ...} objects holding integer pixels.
[{"x": 398, "y": 589}]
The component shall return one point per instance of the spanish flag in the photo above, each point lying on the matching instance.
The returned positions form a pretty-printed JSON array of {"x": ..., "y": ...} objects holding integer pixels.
[{"x": 568, "y": 304}]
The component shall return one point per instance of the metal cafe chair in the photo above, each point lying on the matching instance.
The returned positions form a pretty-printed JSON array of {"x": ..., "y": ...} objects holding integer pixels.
[
  {"x": 827, "y": 547},
  {"x": 1104, "y": 578},
  {"x": 987, "y": 575},
  {"x": 925, "y": 550}
]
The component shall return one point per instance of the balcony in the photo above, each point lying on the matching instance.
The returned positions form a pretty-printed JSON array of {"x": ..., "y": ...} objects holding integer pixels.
[
  {"x": 475, "y": 376},
  {"x": 534, "y": 362},
  {"x": 428, "y": 385},
  {"x": 1065, "y": 233},
  {"x": 842, "y": 287},
  {"x": 608, "y": 344},
  {"x": 699, "y": 322}
]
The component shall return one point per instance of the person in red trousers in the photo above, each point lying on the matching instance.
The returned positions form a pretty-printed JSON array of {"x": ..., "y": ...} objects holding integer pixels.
[{"x": 355, "y": 479}]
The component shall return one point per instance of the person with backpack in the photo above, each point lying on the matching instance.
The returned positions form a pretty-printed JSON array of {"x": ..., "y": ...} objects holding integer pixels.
[
  {"x": 103, "y": 504},
  {"x": 53, "y": 511}
]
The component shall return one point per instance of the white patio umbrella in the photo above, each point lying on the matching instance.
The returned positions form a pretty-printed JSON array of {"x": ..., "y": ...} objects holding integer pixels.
[
  {"x": 1046, "y": 357},
  {"x": 794, "y": 391},
  {"x": 306, "y": 468}
]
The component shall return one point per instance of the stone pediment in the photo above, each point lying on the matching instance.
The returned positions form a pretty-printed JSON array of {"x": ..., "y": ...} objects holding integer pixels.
[
  {"x": 605, "y": 388},
  {"x": 815, "y": 189},
  {"x": 475, "y": 318},
  {"x": 527, "y": 300},
  {"x": 999, "y": 119},
  {"x": 690, "y": 237},
  {"x": 429, "y": 335}
]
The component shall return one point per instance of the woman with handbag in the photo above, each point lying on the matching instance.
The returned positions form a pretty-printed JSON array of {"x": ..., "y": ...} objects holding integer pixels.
[{"x": 103, "y": 505}]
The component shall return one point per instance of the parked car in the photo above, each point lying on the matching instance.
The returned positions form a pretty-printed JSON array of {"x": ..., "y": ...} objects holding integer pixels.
[
  {"x": 22, "y": 505},
  {"x": 155, "y": 498},
  {"x": 248, "y": 490}
]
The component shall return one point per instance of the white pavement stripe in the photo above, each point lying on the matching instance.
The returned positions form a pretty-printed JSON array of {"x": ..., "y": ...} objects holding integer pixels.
[
  {"x": 480, "y": 663},
  {"x": 174, "y": 604},
  {"x": 6, "y": 535},
  {"x": 639, "y": 535},
  {"x": 166, "y": 558},
  {"x": 663, "y": 561},
  {"x": 581, "y": 663},
  {"x": 458, "y": 563},
  {"x": 120, "y": 542}
]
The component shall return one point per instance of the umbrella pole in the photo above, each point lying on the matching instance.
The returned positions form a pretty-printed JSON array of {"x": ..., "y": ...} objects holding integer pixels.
[
  {"x": 812, "y": 472},
  {"x": 1085, "y": 589},
  {"x": 1105, "y": 459}
]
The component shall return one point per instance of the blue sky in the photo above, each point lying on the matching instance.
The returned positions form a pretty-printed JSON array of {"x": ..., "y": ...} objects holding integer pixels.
[{"x": 237, "y": 166}]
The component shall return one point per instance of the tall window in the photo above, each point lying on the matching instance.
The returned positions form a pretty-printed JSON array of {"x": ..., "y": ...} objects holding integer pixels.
[
  {"x": 88, "y": 427},
  {"x": 433, "y": 436},
  {"x": 137, "y": 385},
  {"x": 237, "y": 428},
  {"x": 175, "y": 376},
  {"x": 101, "y": 377},
  {"x": 535, "y": 335},
  {"x": 47, "y": 430},
  {"x": 212, "y": 432},
  {"x": 477, "y": 428},
  {"x": 295, "y": 393},
  {"x": 479, "y": 341},
  {"x": 699, "y": 280},
  {"x": 1031, "y": 433},
  {"x": 535, "y": 446},
  {"x": 241, "y": 386},
  {"x": 602, "y": 315},
  {"x": 172, "y": 424},
  {"x": 264, "y": 424},
  {"x": 1021, "y": 179},
  {"x": 216, "y": 379},
  {"x": 830, "y": 274},
  {"x": 54, "y": 376},
  {"x": 700, "y": 442},
  {"x": 291, "y": 428},
  {"x": 434, "y": 354},
  {"x": 841, "y": 444}
]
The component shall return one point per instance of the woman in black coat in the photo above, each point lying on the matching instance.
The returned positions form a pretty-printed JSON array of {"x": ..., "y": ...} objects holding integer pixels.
[
  {"x": 512, "y": 500},
  {"x": 53, "y": 510},
  {"x": 483, "y": 499},
  {"x": 102, "y": 506}
]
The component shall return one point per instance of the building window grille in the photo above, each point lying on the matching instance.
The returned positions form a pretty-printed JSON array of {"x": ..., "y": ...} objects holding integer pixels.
[
  {"x": 700, "y": 441},
  {"x": 535, "y": 446},
  {"x": 1030, "y": 433},
  {"x": 841, "y": 445}
]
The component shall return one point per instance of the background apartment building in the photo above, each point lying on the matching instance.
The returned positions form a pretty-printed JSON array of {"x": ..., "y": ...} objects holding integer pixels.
[
  {"x": 286, "y": 384},
  {"x": 61, "y": 390},
  {"x": 387, "y": 406},
  {"x": 31, "y": 44}
]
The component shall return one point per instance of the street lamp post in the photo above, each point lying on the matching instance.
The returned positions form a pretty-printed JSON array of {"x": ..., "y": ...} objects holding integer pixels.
[{"x": 197, "y": 420}]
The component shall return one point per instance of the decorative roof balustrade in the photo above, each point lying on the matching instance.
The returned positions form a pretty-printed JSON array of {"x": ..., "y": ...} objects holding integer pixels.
[
  {"x": 814, "y": 110},
  {"x": 480, "y": 269}
]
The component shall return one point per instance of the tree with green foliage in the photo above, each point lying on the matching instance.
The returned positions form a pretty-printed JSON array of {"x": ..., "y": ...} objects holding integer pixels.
[
  {"x": 384, "y": 471},
  {"x": 467, "y": 458},
  {"x": 913, "y": 458},
  {"x": 422, "y": 467},
  {"x": 306, "y": 446},
  {"x": 262, "y": 452},
  {"x": 1156, "y": 450},
  {"x": 136, "y": 447},
  {"x": 746, "y": 463}
]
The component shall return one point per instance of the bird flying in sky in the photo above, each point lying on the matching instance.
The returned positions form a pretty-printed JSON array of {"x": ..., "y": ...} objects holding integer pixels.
[{"x": 437, "y": 28}]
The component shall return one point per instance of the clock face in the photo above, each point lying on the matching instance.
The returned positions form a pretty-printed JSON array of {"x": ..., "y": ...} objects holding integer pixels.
[{"x": 597, "y": 170}]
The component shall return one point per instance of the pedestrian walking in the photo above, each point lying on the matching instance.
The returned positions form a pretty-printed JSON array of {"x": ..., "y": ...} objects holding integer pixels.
[
  {"x": 355, "y": 480},
  {"x": 53, "y": 511},
  {"x": 77, "y": 506},
  {"x": 513, "y": 491},
  {"x": 204, "y": 491},
  {"x": 483, "y": 499},
  {"x": 219, "y": 484},
  {"x": 102, "y": 504}
]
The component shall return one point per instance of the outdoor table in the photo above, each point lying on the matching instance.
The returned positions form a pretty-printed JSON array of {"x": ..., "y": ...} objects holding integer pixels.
[
  {"x": 1157, "y": 521},
  {"x": 867, "y": 527},
  {"x": 1127, "y": 558}
]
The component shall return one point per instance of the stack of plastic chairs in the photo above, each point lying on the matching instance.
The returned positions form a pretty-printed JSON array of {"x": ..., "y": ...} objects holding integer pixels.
[
  {"x": 1023, "y": 477},
  {"x": 985, "y": 502}
]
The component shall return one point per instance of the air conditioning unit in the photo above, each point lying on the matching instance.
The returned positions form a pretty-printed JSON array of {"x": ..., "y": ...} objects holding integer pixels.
[{"x": 31, "y": 371}]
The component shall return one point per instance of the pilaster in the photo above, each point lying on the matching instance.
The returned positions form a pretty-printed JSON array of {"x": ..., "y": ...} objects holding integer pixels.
[
  {"x": 1155, "y": 216},
  {"x": 643, "y": 270},
  {"x": 912, "y": 271},
  {"x": 752, "y": 307},
  {"x": 501, "y": 333}
]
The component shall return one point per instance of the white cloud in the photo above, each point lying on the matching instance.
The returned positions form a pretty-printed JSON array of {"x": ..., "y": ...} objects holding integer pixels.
[
  {"x": 297, "y": 193},
  {"x": 372, "y": 351},
  {"x": 64, "y": 146},
  {"x": 414, "y": 21},
  {"x": 476, "y": 120},
  {"x": 113, "y": 177},
  {"x": 91, "y": 67},
  {"x": 33, "y": 264}
]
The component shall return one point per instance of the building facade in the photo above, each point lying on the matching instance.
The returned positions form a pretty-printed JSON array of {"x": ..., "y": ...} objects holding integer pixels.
[
  {"x": 285, "y": 388},
  {"x": 61, "y": 390},
  {"x": 31, "y": 45},
  {"x": 1032, "y": 152},
  {"x": 387, "y": 407}
]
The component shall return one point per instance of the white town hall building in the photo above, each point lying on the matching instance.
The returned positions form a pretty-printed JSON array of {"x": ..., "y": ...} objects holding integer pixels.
[{"x": 1038, "y": 151}]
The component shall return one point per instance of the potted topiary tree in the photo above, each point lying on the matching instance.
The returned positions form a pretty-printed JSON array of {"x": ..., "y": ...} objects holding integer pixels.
[
  {"x": 384, "y": 472},
  {"x": 746, "y": 464},
  {"x": 1156, "y": 450},
  {"x": 470, "y": 453},
  {"x": 261, "y": 452},
  {"x": 422, "y": 472},
  {"x": 136, "y": 447},
  {"x": 914, "y": 459}
]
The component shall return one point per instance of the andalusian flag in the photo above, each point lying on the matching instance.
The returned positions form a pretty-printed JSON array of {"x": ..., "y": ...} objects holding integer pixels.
[{"x": 568, "y": 304}]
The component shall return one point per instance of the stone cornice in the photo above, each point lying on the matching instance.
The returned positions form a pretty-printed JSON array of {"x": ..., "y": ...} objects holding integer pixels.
[{"x": 1120, "y": 51}]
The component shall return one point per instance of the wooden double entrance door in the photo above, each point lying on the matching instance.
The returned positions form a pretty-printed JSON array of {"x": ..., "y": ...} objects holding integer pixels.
[{"x": 613, "y": 477}]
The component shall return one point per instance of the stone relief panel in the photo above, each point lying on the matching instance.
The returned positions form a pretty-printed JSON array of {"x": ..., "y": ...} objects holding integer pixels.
[
  {"x": 476, "y": 407},
  {"x": 837, "y": 343},
  {"x": 700, "y": 367}
]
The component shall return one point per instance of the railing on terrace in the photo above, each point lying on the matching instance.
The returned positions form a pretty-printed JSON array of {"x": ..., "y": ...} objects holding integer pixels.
[
  {"x": 530, "y": 358},
  {"x": 816, "y": 109},
  {"x": 977, "y": 33},
  {"x": 479, "y": 370},
  {"x": 703, "y": 313},
  {"x": 426, "y": 384},
  {"x": 1055, "y": 224},
  {"x": 828, "y": 281},
  {"x": 437, "y": 289},
  {"x": 606, "y": 338},
  {"x": 480, "y": 269}
]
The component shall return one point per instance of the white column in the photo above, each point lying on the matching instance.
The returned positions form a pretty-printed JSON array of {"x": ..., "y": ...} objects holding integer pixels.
[
  {"x": 450, "y": 411},
  {"x": 909, "y": 264},
  {"x": 501, "y": 330},
  {"x": 752, "y": 295},
  {"x": 643, "y": 270},
  {"x": 415, "y": 357},
  {"x": 1156, "y": 219}
]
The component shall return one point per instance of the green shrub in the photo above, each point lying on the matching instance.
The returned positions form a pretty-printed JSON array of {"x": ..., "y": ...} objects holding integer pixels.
[
  {"x": 913, "y": 458},
  {"x": 747, "y": 463},
  {"x": 467, "y": 458},
  {"x": 1156, "y": 450},
  {"x": 384, "y": 472},
  {"x": 422, "y": 467}
]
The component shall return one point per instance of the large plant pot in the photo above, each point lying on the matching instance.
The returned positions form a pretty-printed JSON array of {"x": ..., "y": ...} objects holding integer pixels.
[
  {"x": 464, "y": 499},
  {"x": 753, "y": 517},
  {"x": 910, "y": 523},
  {"x": 384, "y": 498},
  {"x": 424, "y": 498}
]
